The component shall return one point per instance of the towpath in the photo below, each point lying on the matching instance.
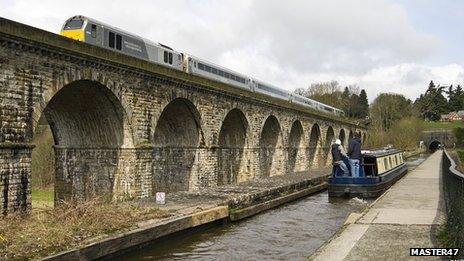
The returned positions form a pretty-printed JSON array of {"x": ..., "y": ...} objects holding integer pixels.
[{"x": 406, "y": 216}]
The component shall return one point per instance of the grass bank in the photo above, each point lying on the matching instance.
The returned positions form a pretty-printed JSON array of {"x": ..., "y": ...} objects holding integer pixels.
[
  {"x": 42, "y": 198},
  {"x": 50, "y": 231},
  {"x": 443, "y": 125}
]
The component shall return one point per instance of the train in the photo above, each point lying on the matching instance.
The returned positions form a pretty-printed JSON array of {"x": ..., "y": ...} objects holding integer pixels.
[{"x": 91, "y": 31}]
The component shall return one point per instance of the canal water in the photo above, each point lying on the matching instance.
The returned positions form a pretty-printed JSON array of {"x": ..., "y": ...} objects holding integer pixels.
[{"x": 290, "y": 232}]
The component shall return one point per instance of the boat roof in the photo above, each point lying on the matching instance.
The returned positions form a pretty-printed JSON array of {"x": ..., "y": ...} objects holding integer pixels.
[{"x": 380, "y": 152}]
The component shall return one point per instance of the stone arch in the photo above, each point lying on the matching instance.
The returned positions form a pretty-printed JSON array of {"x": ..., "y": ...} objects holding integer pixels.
[
  {"x": 269, "y": 138},
  {"x": 434, "y": 144},
  {"x": 342, "y": 137},
  {"x": 89, "y": 127},
  {"x": 82, "y": 76},
  {"x": 329, "y": 140},
  {"x": 294, "y": 144},
  {"x": 314, "y": 139},
  {"x": 232, "y": 141},
  {"x": 177, "y": 138}
]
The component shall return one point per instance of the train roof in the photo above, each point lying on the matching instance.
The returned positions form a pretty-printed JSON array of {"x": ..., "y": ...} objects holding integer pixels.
[
  {"x": 147, "y": 41},
  {"x": 217, "y": 66}
]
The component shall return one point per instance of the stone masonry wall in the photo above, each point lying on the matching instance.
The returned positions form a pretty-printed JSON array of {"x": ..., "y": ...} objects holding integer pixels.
[{"x": 130, "y": 131}]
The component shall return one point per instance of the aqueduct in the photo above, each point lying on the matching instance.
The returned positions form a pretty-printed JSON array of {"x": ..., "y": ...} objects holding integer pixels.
[{"x": 129, "y": 128}]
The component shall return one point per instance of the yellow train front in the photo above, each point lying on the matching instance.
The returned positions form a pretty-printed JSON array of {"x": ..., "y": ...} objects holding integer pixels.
[
  {"x": 380, "y": 170},
  {"x": 91, "y": 31}
]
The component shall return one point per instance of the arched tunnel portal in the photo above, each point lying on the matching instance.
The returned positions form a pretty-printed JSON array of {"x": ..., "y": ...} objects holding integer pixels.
[{"x": 434, "y": 145}]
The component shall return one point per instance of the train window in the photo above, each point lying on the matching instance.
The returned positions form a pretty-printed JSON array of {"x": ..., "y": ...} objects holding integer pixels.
[
  {"x": 221, "y": 73},
  {"x": 208, "y": 69},
  {"x": 93, "y": 31},
  {"x": 111, "y": 40},
  {"x": 170, "y": 58},
  {"x": 200, "y": 66},
  {"x": 227, "y": 75},
  {"x": 165, "y": 56},
  {"x": 118, "y": 42},
  {"x": 214, "y": 70},
  {"x": 74, "y": 24}
]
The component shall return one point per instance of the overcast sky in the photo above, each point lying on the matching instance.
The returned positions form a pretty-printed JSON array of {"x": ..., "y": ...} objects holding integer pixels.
[{"x": 379, "y": 45}]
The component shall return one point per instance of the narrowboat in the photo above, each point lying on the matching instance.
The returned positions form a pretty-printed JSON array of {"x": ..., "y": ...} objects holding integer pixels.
[{"x": 379, "y": 170}]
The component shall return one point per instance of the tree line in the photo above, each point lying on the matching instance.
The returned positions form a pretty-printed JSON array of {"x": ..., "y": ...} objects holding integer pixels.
[
  {"x": 433, "y": 102},
  {"x": 350, "y": 99}
]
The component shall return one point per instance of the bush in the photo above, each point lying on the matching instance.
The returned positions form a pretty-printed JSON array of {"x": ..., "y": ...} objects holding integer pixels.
[{"x": 404, "y": 134}]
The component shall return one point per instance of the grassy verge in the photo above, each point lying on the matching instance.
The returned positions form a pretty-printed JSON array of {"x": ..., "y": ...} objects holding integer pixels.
[
  {"x": 67, "y": 226},
  {"x": 42, "y": 198},
  {"x": 443, "y": 125}
]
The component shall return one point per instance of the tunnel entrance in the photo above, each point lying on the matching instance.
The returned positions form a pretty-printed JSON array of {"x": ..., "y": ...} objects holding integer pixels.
[
  {"x": 434, "y": 145},
  {"x": 232, "y": 140},
  {"x": 86, "y": 123}
]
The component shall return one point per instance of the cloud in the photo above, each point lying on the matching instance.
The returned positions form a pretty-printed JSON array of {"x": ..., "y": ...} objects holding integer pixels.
[
  {"x": 411, "y": 79},
  {"x": 290, "y": 44}
]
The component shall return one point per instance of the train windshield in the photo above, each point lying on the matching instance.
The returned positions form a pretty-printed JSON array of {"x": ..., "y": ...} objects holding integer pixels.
[{"x": 73, "y": 24}]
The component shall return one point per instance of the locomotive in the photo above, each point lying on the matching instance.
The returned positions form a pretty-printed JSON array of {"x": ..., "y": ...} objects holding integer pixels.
[{"x": 93, "y": 32}]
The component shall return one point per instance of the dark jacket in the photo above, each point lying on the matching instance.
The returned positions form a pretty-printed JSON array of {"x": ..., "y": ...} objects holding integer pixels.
[
  {"x": 336, "y": 153},
  {"x": 354, "y": 149}
]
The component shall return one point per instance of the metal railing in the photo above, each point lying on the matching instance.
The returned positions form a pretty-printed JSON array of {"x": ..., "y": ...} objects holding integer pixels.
[{"x": 453, "y": 188}]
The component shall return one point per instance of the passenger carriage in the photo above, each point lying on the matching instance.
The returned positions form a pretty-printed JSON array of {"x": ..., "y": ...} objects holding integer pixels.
[
  {"x": 379, "y": 170},
  {"x": 91, "y": 31}
]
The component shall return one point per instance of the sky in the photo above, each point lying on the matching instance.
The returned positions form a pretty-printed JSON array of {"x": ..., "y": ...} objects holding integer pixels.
[{"x": 379, "y": 45}]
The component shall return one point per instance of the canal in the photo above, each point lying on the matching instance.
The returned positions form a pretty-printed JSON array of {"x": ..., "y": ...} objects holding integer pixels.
[{"x": 292, "y": 232}]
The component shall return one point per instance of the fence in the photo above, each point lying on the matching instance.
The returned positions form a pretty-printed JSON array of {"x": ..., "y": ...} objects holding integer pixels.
[{"x": 453, "y": 188}]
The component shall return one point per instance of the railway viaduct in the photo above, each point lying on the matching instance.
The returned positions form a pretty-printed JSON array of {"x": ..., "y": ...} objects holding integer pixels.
[{"x": 128, "y": 128}]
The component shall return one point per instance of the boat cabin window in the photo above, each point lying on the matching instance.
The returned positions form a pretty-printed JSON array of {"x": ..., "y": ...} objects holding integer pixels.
[
  {"x": 170, "y": 58},
  {"x": 74, "y": 24},
  {"x": 165, "y": 57},
  {"x": 369, "y": 166}
]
